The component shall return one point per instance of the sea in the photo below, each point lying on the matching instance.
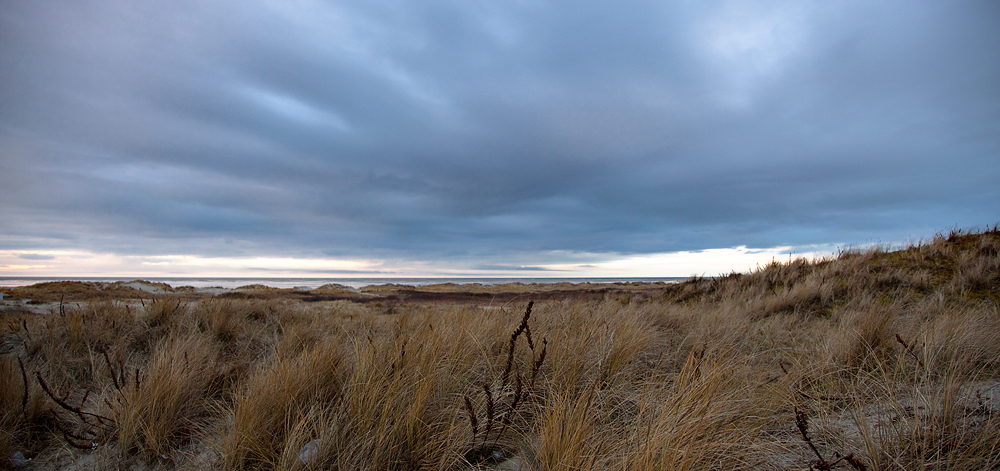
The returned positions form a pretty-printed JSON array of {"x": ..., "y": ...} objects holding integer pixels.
[{"x": 311, "y": 283}]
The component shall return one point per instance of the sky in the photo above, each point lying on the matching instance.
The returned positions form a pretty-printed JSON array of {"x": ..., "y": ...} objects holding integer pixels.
[{"x": 485, "y": 138}]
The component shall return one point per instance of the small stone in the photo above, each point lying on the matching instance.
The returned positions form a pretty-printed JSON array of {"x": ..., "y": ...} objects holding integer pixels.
[
  {"x": 18, "y": 460},
  {"x": 513, "y": 464},
  {"x": 309, "y": 452}
]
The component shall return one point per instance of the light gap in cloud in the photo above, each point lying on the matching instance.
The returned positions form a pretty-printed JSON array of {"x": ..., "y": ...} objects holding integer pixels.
[
  {"x": 292, "y": 108},
  {"x": 709, "y": 262}
]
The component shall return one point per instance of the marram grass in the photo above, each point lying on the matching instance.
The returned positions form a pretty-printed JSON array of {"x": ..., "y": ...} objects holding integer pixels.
[{"x": 874, "y": 359}]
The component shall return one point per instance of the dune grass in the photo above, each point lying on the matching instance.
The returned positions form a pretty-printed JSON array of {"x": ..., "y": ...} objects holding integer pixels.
[{"x": 873, "y": 359}]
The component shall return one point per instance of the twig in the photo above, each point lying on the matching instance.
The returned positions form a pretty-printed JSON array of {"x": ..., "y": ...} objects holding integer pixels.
[
  {"x": 14, "y": 331},
  {"x": 521, "y": 393},
  {"x": 64, "y": 404},
  {"x": 114, "y": 375},
  {"x": 527, "y": 330},
  {"x": 24, "y": 396},
  {"x": 510, "y": 410},
  {"x": 909, "y": 349},
  {"x": 522, "y": 328},
  {"x": 86, "y": 394},
  {"x": 472, "y": 415},
  {"x": 67, "y": 435},
  {"x": 489, "y": 412},
  {"x": 802, "y": 422},
  {"x": 855, "y": 462},
  {"x": 402, "y": 355},
  {"x": 537, "y": 365}
]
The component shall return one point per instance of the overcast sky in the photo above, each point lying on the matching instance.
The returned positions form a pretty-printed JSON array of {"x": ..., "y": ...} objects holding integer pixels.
[{"x": 533, "y": 138}]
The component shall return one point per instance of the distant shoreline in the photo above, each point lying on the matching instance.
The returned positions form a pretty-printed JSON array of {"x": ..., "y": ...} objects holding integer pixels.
[{"x": 312, "y": 283}]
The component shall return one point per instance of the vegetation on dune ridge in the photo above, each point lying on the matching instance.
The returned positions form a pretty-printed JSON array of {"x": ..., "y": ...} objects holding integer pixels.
[{"x": 873, "y": 359}]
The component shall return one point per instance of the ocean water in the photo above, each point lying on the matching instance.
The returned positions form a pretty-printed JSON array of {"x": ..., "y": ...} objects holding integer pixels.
[{"x": 311, "y": 283}]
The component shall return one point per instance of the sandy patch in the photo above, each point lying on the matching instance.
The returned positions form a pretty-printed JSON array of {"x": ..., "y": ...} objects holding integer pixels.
[{"x": 154, "y": 288}]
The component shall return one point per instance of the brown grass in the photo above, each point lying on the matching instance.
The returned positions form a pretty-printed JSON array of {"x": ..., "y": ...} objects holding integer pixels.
[
  {"x": 164, "y": 405},
  {"x": 887, "y": 356}
]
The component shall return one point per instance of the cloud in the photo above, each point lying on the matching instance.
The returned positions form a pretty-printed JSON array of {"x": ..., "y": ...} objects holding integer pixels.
[
  {"x": 35, "y": 256},
  {"x": 492, "y": 135},
  {"x": 511, "y": 268}
]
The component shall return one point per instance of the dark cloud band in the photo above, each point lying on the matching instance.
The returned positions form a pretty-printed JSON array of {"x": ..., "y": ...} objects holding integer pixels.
[{"x": 498, "y": 135}]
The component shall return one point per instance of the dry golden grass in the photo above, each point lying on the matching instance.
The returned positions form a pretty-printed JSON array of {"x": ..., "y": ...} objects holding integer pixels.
[
  {"x": 11, "y": 397},
  {"x": 274, "y": 400},
  {"x": 162, "y": 407},
  {"x": 887, "y": 356}
]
